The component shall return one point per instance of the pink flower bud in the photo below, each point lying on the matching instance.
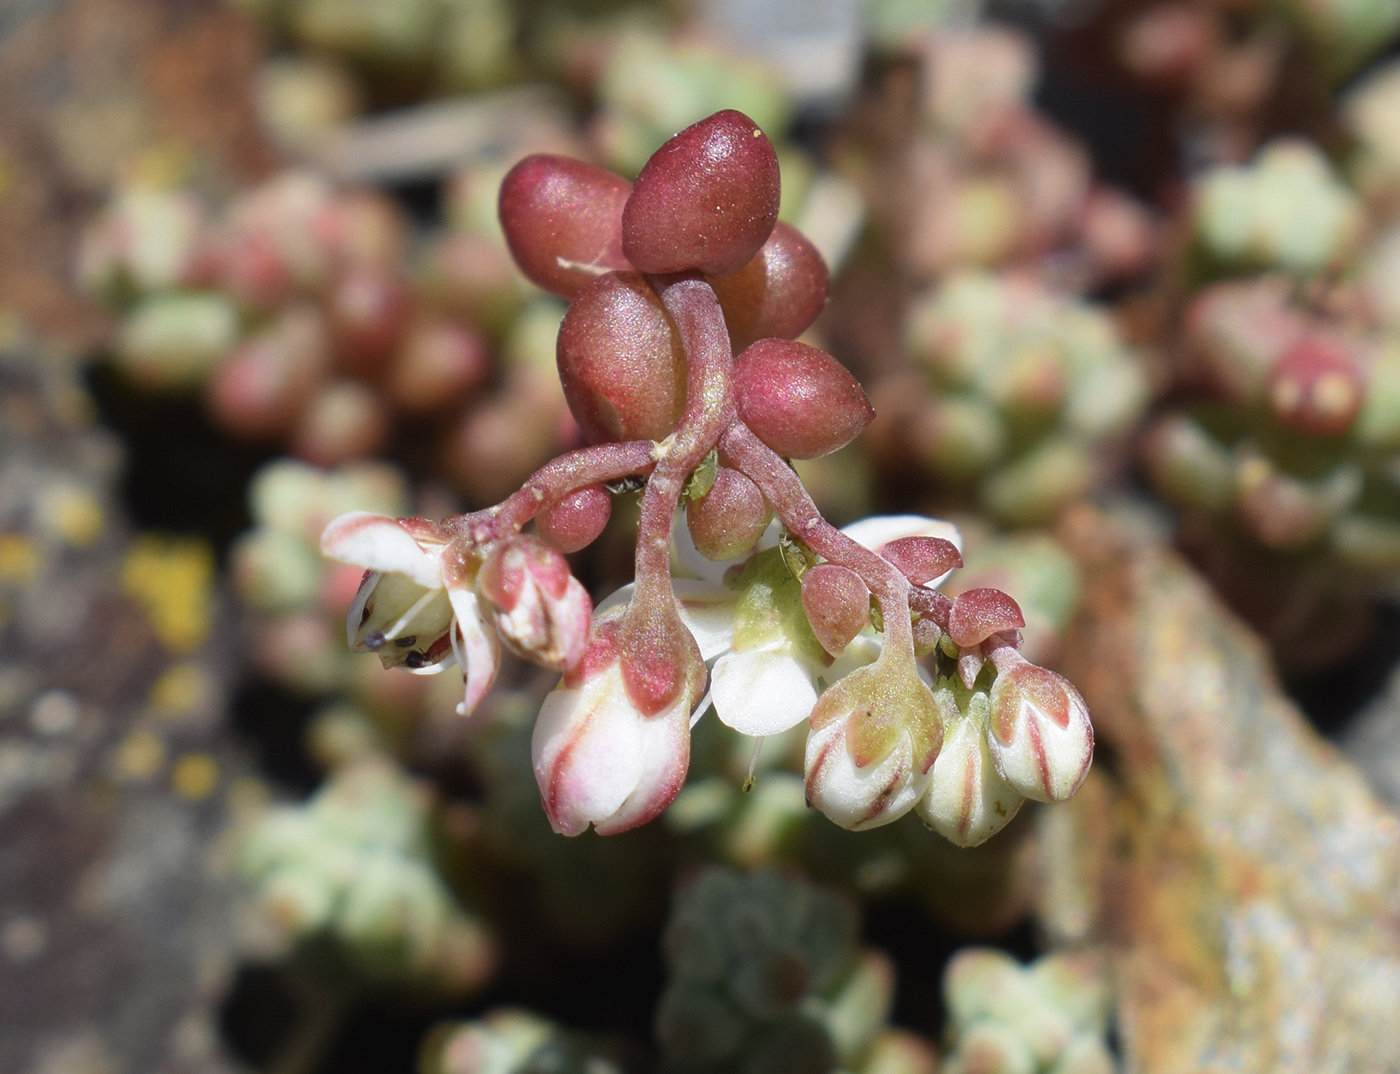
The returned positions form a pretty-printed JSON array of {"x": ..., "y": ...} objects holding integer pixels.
[
  {"x": 922, "y": 559},
  {"x": 875, "y": 736},
  {"x": 540, "y": 609},
  {"x": 967, "y": 801},
  {"x": 575, "y": 521},
  {"x": 1041, "y": 739},
  {"x": 798, "y": 400},
  {"x": 837, "y": 604},
  {"x": 707, "y": 199},
  {"x": 1316, "y": 388},
  {"x": 562, "y": 219},
  {"x": 598, "y": 759}
]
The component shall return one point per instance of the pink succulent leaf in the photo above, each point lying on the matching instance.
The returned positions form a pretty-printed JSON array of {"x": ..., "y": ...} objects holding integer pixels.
[
  {"x": 599, "y": 761},
  {"x": 877, "y": 532},
  {"x": 922, "y": 559},
  {"x": 480, "y": 651},
  {"x": 691, "y": 561},
  {"x": 1039, "y": 736},
  {"x": 380, "y": 543},
  {"x": 977, "y": 614},
  {"x": 967, "y": 801}
]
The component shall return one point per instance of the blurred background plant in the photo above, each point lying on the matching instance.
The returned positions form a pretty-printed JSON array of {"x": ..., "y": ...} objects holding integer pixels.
[{"x": 1116, "y": 276}]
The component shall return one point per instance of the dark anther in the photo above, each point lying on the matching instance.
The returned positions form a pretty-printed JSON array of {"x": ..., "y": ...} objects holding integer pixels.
[
  {"x": 406, "y": 641},
  {"x": 365, "y": 613},
  {"x": 415, "y": 660},
  {"x": 375, "y": 639}
]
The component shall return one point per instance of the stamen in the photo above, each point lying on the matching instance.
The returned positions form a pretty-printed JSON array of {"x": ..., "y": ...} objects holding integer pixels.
[
  {"x": 415, "y": 660},
  {"x": 374, "y": 640},
  {"x": 406, "y": 642},
  {"x": 701, "y": 709},
  {"x": 407, "y": 617},
  {"x": 749, "y": 780}
]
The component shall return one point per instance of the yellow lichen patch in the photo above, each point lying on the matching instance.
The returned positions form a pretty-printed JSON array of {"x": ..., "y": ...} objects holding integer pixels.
[
  {"x": 140, "y": 756},
  {"x": 72, "y": 514},
  {"x": 172, "y": 580},
  {"x": 179, "y": 690},
  {"x": 195, "y": 776},
  {"x": 19, "y": 559}
]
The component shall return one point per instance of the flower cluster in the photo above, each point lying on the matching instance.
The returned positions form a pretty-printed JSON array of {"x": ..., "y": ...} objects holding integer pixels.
[{"x": 669, "y": 277}]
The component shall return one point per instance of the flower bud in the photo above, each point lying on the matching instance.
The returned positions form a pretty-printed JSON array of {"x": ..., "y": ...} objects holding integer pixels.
[
  {"x": 875, "y": 736},
  {"x": 540, "y": 609},
  {"x": 1041, "y": 739},
  {"x": 967, "y": 801},
  {"x": 598, "y": 759},
  {"x": 923, "y": 559},
  {"x": 435, "y": 365},
  {"x": 798, "y": 400},
  {"x": 707, "y": 199},
  {"x": 259, "y": 390}
]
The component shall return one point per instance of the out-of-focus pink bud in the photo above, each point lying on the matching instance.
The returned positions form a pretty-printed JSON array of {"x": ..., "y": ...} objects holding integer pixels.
[
  {"x": 260, "y": 389},
  {"x": 344, "y": 420},
  {"x": 837, "y": 604},
  {"x": 967, "y": 801},
  {"x": 435, "y": 365},
  {"x": 1041, "y": 739},
  {"x": 540, "y": 609},
  {"x": 367, "y": 309},
  {"x": 598, "y": 760},
  {"x": 875, "y": 736},
  {"x": 1316, "y": 388}
]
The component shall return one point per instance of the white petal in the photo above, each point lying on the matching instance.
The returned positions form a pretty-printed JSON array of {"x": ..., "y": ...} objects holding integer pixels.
[
  {"x": 587, "y": 750},
  {"x": 707, "y": 610},
  {"x": 378, "y": 543},
  {"x": 860, "y": 798},
  {"x": 874, "y": 533},
  {"x": 481, "y": 649},
  {"x": 665, "y": 745},
  {"x": 356, "y": 615},
  {"x": 762, "y": 691}
]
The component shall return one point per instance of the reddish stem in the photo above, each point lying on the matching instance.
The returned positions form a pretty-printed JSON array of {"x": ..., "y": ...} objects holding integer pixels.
[
  {"x": 785, "y": 491},
  {"x": 551, "y": 483}
]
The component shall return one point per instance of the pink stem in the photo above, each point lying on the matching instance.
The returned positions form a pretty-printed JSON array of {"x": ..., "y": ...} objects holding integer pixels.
[
  {"x": 552, "y": 482},
  {"x": 709, "y": 408},
  {"x": 785, "y": 491}
]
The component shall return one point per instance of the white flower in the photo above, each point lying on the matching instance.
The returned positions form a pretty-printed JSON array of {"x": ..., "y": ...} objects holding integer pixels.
[
  {"x": 416, "y": 607},
  {"x": 768, "y": 668}
]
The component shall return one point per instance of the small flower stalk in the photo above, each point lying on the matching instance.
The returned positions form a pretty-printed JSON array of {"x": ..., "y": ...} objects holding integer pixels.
[{"x": 679, "y": 365}]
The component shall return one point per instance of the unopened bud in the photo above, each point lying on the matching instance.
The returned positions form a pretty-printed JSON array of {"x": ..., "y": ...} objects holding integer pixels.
[
  {"x": 967, "y": 801},
  {"x": 540, "y": 609},
  {"x": 1041, "y": 739}
]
